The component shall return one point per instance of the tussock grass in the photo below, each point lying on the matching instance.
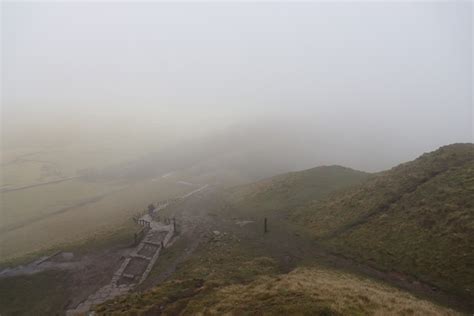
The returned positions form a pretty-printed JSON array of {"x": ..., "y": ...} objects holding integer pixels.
[
  {"x": 417, "y": 218},
  {"x": 314, "y": 291},
  {"x": 304, "y": 291},
  {"x": 226, "y": 277}
]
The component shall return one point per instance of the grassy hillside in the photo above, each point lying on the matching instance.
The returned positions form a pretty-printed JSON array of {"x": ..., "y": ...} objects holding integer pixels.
[
  {"x": 417, "y": 218},
  {"x": 37, "y": 294},
  {"x": 229, "y": 277},
  {"x": 294, "y": 189}
]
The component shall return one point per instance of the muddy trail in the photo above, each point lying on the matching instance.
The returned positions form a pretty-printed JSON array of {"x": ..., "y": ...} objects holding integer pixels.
[
  {"x": 87, "y": 273},
  {"x": 203, "y": 214},
  {"x": 289, "y": 244}
]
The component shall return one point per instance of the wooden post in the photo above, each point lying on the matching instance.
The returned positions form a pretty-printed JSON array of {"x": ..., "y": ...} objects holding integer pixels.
[
  {"x": 174, "y": 224},
  {"x": 265, "y": 230},
  {"x": 162, "y": 245}
]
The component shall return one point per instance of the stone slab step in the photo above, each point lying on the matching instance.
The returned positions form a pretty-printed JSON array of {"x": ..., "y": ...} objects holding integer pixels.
[
  {"x": 128, "y": 276},
  {"x": 140, "y": 257},
  {"x": 157, "y": 244}
]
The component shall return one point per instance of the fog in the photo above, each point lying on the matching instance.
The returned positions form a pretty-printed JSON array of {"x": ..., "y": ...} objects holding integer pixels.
[{"x": 263, "y": 86}]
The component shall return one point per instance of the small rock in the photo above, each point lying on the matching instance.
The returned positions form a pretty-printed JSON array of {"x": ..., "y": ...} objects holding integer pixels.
[{"x": 216, "y": 232}]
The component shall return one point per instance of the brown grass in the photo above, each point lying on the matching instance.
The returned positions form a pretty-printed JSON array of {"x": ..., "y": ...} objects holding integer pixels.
[{"x": 316, "y": 291}]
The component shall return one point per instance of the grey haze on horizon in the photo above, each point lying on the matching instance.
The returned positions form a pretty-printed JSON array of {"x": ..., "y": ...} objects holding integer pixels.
[{"x": 363, "y": 84}]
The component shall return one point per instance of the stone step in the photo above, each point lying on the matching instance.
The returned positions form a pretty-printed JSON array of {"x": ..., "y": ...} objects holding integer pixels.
[
  {"x": 140, "y": 257},
  {"x": 112, "y": 290},
  {"x": 128, "y": 276},
  {"x": 149, "y": 242}
]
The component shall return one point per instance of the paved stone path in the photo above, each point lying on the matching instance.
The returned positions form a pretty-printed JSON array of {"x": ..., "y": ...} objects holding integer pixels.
[{"x": 134, "y": 269}]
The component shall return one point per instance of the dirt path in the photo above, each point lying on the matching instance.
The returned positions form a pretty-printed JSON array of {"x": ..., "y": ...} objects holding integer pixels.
[
  {"x": 136, "y": 266},
  {"x": 289, "y": 244},
  {"x": 40, "y": 265}
]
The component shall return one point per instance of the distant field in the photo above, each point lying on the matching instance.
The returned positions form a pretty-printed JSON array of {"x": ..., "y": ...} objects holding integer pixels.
[
  {"x": 44, "y": 216},
  {"x": 81, "y": 222},
  {"x": 24, "y": 166},
  {"x": 37, "y": 215},
  {"x": 22, "y": 207}
]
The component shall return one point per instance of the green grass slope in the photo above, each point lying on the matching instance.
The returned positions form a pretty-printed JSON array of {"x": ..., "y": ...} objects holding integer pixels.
[
  {"x": 417, "y": 218},
  {"x": 294, "y": 189},
  {"x": 228, "y": 277},
  {"x": 37, "y": 294}
]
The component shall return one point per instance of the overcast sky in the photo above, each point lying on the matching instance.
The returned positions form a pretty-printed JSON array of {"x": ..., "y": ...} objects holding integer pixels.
[{"x": 389, "y": 80}]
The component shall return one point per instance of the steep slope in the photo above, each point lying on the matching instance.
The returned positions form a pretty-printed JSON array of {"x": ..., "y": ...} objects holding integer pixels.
[
  {"x": 293, "y": 189},
  {"x": 417, "y": 218},
  {"x": 306, "y": 291},
  {"x": 227, "y": 278}
]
